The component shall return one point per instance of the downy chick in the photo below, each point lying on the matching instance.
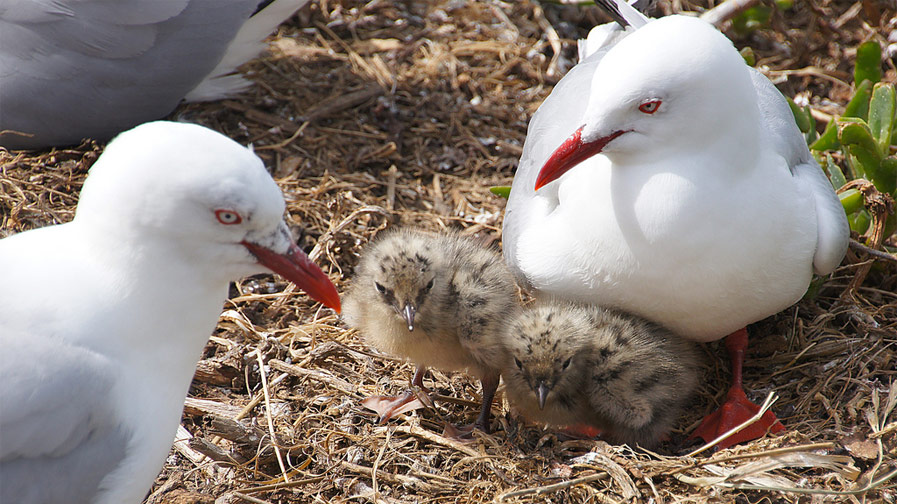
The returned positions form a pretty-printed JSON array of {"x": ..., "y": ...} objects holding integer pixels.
[
  {"x": 437, "y": 300},
  {"x": 585, "y": 366}
]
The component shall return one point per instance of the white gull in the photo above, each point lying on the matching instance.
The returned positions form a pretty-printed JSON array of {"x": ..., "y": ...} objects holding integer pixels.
[
  {"x": 102, "y": 319},
  {"x": 665, "y": 177}
]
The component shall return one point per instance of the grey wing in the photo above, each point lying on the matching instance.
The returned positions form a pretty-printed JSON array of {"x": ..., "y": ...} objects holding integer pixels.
[
  {"x": 71, "y": 69},
  {"x": 833, "y": 232},
  {"x": 58, "y": 439},
  {"x": 557, "y": 118}
]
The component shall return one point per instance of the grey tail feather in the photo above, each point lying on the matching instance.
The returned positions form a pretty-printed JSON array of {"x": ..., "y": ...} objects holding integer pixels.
[{"x": 610, "y": 7}]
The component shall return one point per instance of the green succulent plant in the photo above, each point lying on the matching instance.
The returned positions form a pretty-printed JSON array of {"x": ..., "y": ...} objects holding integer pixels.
[{"x": 865, "y": 135}]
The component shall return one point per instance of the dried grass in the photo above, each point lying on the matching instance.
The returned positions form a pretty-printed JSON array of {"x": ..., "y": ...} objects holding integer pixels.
[{"x": 385, "y": 113}]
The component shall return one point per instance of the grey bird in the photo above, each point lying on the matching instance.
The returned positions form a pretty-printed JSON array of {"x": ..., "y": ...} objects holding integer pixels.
[
  {"x": 437, "y": 300},
  {"x": 591, "y": 369},
  {"x": 73, "y": 69}
]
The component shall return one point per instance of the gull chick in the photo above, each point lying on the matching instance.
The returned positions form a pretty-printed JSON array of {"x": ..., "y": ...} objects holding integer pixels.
[
  {"x": 586, "y": 367},
  {"x": 437, "y": 300}
]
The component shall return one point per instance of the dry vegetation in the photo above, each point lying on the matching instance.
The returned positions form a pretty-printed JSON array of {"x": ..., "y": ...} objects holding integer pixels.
[{"x": 381, "y": 113}]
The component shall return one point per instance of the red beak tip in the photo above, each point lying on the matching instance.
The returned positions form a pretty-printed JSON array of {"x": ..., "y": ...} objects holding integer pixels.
[{"x": 336, "y": 306}]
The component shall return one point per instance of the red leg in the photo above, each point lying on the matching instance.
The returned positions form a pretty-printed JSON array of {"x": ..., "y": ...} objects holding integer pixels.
[
  {"x": 737, "y": 409},
  {"x": 390, "y": 406},
  {"x": 582, "y": 431}
]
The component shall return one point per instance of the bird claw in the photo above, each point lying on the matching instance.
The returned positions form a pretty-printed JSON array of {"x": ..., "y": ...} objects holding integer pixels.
[
  {"x": 462, "y": 433},
  {"x": 736, "y": 410},
  {"x": 390, "y": 406}
]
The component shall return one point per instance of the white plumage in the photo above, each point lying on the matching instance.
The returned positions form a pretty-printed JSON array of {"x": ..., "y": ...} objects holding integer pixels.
[{"x": 102, "y": 319}]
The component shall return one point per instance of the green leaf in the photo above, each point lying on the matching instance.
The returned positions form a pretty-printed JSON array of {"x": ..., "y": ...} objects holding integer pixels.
[
  {"x": 859, "y": 104},
  {"x": 835, "y": 175},
  {"x": 857, "y": 132},
  {"x": 752, "y": 19},
  {"x": 851, "y": 200},
  {"x": 748, "y": 55},
  {"x": 815, "y": 286},
  {"x": 868, "y": 63},
  {"x": 859, "y": 221},
  {"x": 801, "y": 116},
  {"x": 829, "y": 138},
  {"x": 888, "y": 173},
  {"x": 881, "y": 115},
  {"x": 810, "y": 135},
  {"x": 784, "y": 4},
  {"x": 503, "y": 191},
  {"x": 869, "y": 163}
]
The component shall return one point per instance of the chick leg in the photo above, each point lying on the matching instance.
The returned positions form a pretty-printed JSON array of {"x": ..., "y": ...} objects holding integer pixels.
[
  {"x": 415, "y": 398},
  {"x": 737, "y": 408},
  {"x": 490, "y": 384}
]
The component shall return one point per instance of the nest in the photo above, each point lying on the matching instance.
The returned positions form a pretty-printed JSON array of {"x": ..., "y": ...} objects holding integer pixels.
[{"x": 382, "y": 114}]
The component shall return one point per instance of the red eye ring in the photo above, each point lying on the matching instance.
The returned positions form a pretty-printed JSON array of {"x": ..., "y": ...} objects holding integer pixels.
[
  {"x": 649, "y": 107},
  {"x": 228, "y": 217}
]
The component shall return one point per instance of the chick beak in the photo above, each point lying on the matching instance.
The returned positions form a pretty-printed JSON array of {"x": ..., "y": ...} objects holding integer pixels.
[
  {"x": 570, "y": 153},
  {"x": 542, "y": 394},
  {"x": 408, "y": 314}
]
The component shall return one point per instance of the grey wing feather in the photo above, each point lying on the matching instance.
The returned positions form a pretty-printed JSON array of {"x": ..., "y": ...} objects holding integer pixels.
[
  {"x": 58, "y": 438},
  {"x": 833, "y": 231},
  {"x": 71, "y": 69}
]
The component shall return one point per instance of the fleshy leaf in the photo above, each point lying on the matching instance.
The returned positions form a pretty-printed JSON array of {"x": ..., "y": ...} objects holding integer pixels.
[
  {"x": 748, "y": 55},
  {"x": 828, "y": 140},
  {"x": 851, "y": 200},
  {"x": 801, "y": 116},
  {"x": 868, "y": 63},
  {"x": 888, "y": 173},
  {"x": 856, "y": 132},
  {"x": 881, "y": 115},
  {"x": 859, "y": 221},
  {"x": 859, "y": 104},
  {"x": 503, "y": 191},
  {"x": 834, "y": 173}
]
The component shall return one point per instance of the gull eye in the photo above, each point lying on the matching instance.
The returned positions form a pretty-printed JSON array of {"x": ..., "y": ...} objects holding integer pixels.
[
  {"x": 381, "y": 289},
  {"x": 566, "y": 363},
  {"x": 649, "y": 107},
  {"x": 519, "y": 364},
  {"x": 228, "y": 217}
]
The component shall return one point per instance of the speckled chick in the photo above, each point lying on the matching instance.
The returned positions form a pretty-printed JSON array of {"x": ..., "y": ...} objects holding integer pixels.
[
  {"x": 585, "y": 366},
  {"x": 437, "y": 300}
]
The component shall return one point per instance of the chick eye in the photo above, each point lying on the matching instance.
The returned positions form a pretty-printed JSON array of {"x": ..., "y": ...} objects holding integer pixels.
[
  {"x": 519, "y": 364},
  {"x": 381, "y": 289},
  {"x": 566, "y": 363},
  {"x": 649, "y": 107},
  {"x": 228, "y": 217}
]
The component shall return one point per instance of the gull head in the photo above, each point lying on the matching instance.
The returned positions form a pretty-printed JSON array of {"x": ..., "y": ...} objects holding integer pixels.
[
  {"x": 674, "y": 86},
  {"x": 189, "y": 195}
]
